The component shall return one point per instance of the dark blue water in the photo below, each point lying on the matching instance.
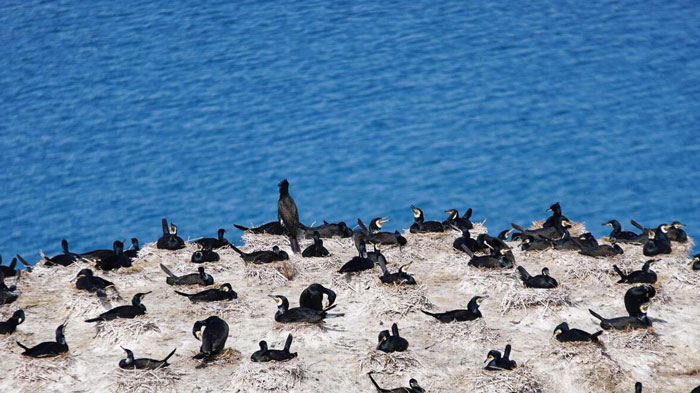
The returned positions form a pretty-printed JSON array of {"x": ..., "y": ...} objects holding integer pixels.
[{"x": 113, "y": 116}]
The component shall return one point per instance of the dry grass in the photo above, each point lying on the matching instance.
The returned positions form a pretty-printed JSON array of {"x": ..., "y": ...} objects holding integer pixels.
[
  {"x": 640, "y": 339},
  {"x": 459, "y": 334},
  {"x": 120, "y": 330},
  {"x": 31, "y": 371},
  {"x": 267, "y": 275},
  {"x": 590, "y": 362},
  {"x": 521, "y": 298},
  {"x": 270, "y": 376},
  {"x": 389, "y": 363},
  {"x": 520, "y": 380},
  {"x": 227, "y": 358},
  {"x": 393, "y": 301},
  {"x": 146, "y": 381}
]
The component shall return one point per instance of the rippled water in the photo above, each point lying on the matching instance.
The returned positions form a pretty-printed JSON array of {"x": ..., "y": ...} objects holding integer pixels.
[{"x": 112, "y": 117}]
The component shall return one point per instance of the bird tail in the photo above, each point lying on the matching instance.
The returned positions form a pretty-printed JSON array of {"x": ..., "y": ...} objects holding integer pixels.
[
  {"x": 595, "y": 314},
  {"x": 164, "y": 225},
  {"x": 93, "y": 320},
  {"x": 335, "y": 315},
  {"x": 622, "y": 275},
  {"x": 595, "y": 335},
  {"x": 294, "y": 243},
  {"x": 169, "y": 355},
  {"x": 236, "y": 249},
  {"x": 101, "y": 293},
  {"x": 467, "y": 250},
  {"x": 288, "y": 343},
  {"x": 524, "y": 275},
  {"x": 428, "y": 313},
  {"x": 24, "y": 262},
  {"x": 166, "y": 270},
  {"x": 330, "y": 307},
  {"x": 518, "y": 227},
  {"x": 241, "y": 227},
  {"x": 374, "y": 383},
  {"x": 22, "y": 345},
  {"x": 183, "y": 293},
  {"x": 637, "y": 225}
]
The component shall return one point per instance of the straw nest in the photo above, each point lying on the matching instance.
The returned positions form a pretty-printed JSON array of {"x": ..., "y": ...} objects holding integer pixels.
[
  {"x": 460, "y": 334},
  {"x": 395, "y": 300},
  {"x": 389, "y": 363},
  {"x": 120, "y": 330},
  {"x": 521, "y": 298},
  {"x": 269, "y": 376},
  {"x": 30, "y": 370},
  {"x": 146, "y": 381},
  {"x": 589, "y": 361},
  {"x": 639, "y": 339},
  {"x": 520, "y": 380},
  {"x": 272, "y": 274},
  {"x": 225, "y": 359}
]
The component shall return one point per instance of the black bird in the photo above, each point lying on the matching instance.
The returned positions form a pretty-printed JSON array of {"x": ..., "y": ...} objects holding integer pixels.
[
  {"x": 539, "y": 281},
  {"x": 577, "y": 243},
  {"x": 134, "y": 251},
  {"x": 602, "y": 250},
  {"x": 530, "y": 243},
  {"x": 87, "y": 281},
  {"x": 288, "y": 215},
  {"x": 554, "y": 232},
  {"x": 64, "y": 259},
  {"x": 676, "y": 232},
  {"x": 465, "y": 241},
  {"x": 266, "y": 355},
  {"x": 204, "y": 255},
  {"x": 658, "y": 242},
  {"x": 9, "y": 271},
  {"x": 696, "y": 262},
  {"x": 259, "y": 257},
  {"x": 420, "y": 225},
  {"x": 503, "y": 235},
  {"x": 115, "y": 261},
  {"x": 9, "y": 326},
  {"x": 625, "y": 323},
  {"x": 210, "y": 243},
  {"x": 312, "y": 297},
  {"x": 399, "y": 278},
  {"x": 638, "y": 388},
  {"x": 646, "y": 275},
  {"x": 170, "y": 240},
  {"x": 328, "y": 230},
  {"x": 360, "y": 262},
  {"x": 564, "y": 334},
  {"x": 48, "y": 349},
  {"x": 9, "y": 294},
  {"x": 271, "y": 228},
  {"x": 224, "y": 292},
  {"x": 392, "y": 342},
  {"x": 316, "y": 249},
  {"x": 212, "y": 332},
  {"x": 494, "y": 245},
  {"x": 618, "y": 235},
  {"x": 24, "y": 262},
  {"x": 496, "y": 362},
  {"x": 285, "y": 314},
  {"x": 199, "y": 278},
  {"x": 496, "y": 260},
  {"x": 635, "y": 297},
  {"x": 471, "y": 313},
  {"x": 413, "y": 387},
  {"x": 555, "y": 217},
  {"x": 376, "y": 236},
  {"x": 142, "y": 363},
  {"x": 462, "y": 223},
  {"x": 126, "y": 312}
]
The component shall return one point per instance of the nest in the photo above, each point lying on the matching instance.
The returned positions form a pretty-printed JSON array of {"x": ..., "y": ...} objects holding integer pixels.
[
  {"x": 393, "y": 300},
  {"x": 142, "y": 381},
  {"x": 119, "y": 330},
  {"x": 270, "y": 376},
  {"x": 592, "y": 362},
  {"x": 226, "y": 310},
  {"x": 522, "y": 298},
  {"x": 577, "y": 228},
  {"x": 638, "y": 339},
  {"x": 30, "y": 370},
  {"x": 389, "y": 363},
  {"x": 226, "y": 358},
  {"x": 454, "y": 334},
  {"x": 273, "y": 274},
  {"x": 520, "y": 380}
]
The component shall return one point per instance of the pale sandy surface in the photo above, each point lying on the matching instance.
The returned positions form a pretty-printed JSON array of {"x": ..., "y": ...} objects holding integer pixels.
[{"x": 336, "y": 358}]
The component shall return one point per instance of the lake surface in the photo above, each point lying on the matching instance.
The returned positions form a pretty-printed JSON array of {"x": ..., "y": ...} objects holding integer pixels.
[{"x": 114, "y": 116}]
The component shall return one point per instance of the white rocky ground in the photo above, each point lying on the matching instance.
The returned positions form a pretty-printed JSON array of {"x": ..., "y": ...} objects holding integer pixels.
[{"x": 337, "y": 357}]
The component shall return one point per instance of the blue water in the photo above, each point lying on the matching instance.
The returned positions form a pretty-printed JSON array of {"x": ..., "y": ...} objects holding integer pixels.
[{"x": 113, "y": 115}]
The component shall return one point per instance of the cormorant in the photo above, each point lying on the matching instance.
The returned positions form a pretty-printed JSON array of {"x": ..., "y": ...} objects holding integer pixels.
[
  {"x": 530, "y": 243},
  {"x": 285, "y": 314},
  {"x": 127, "y": 312},
  {"x": 676, "y": 233},
  {"x": 696, "y": 262},
  {"x": 420, "y": 225},
  {"x": 392, "y": 342},
  {"x": 328, "y": 230},
  {"x": 316, "y": 249},
  {"x": 658, "y": 242},
  {"x": 312, "y": 297},
  {"x": 271, "y": 228},
  {"x": 65, "y": 259},
  {"x": 461, "y": 223},
  {"x": 555, "y": 217},
  {"x": 224, "y": 292},
  {"x": 142, "y": 363},
  {"x": 9, "y": 326},
  {"x": 9, "y": 271},
  {"x": 134, "y": 251},
  {"x": 214, "y": 242},
  {"x": 360, "y": 262},
  {"x": 9, "y": 294},
  {"x": 48, "y": 349},
  {"x": 625, "y": 323},
  {"x": 212, "y": 332},
  {"x": 115, "y": 261},
  {"x": 465, "y": 241},
  {"x": 199, "y": 278},
  {"x": 205, "y": 255},
  {"x": 540, "y": 281},
  {"x": 554, "y": 232},
  {"x": 399, "y": 278},
  {"x": 266, "y": 355},
  {"x": 471, "y": 313},
  {"x": 646, "y": 275},
  {"x": 564, "y": 334},
  {"x": 618, "y": 235},
  {"x": 87, "y": 281},
  {"x": 413, "y": 387},
  {"x": 259, "y": 257},
  {"x": 602, "y": 250},
  {"x": 288, "y": 215},
  {"x": 637, "y": 296},
  {"x": 496, "y": 260},
  {"x": 497, "y": 362},
  {"x": 170, "y": 240}
]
